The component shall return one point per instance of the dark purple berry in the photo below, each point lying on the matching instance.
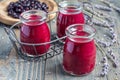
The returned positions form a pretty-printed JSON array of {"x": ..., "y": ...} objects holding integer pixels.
[
  {"x": 27, "y": 8},
  {"x": 35, "y": 7},
  {"x": 18, "y": 10},
  {"x": 21, "y": 0},
  {"x": 10, "y": 12},
  {"x": 32, "y": 5}
]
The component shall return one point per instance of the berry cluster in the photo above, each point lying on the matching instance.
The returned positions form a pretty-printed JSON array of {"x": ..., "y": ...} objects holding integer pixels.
[
  {"x": 101, "y": 7},
  {"x": 113, "y": 37},
  {"x": 113, "y": 58},
  {"x": 105, "y": 67},
  {"x": 14, "y": 9}
]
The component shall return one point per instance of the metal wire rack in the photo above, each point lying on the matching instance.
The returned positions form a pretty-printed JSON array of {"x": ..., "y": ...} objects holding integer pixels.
[
  {"x": 55, "y": 48},
  {"x": 56, "y": 44}
]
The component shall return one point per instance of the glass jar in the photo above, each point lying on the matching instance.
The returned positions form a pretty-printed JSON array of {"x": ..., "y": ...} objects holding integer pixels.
[
  {"x": 70, "y": 12},
  {"x": 79, "y": 49},
  {"x": 33, "y": 32}
]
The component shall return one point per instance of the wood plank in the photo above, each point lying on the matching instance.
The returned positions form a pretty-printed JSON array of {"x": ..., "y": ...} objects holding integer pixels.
[
  {"x": 15, "y": 68},
  {"x": 61, "y": 75}
]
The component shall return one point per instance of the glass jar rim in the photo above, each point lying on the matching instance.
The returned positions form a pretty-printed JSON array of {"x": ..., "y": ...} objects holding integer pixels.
[
  {"x": 25, "y": 16},
  {"x": 63, "y": 4},
  {"x": 92, "y": 29}
]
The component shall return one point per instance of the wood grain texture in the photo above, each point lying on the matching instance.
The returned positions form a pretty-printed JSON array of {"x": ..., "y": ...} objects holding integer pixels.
[
  {"x": 4, "y": 18},
  {"x": 25, "y": 70},
  {"x": 15, "y": 68}
]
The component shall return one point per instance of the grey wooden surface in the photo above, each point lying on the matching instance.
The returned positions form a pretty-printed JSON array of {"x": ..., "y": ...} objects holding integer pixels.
[{"x": 12, "y": 67}]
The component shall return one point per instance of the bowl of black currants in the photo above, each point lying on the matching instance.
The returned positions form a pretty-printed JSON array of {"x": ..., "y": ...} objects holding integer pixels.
[{"x": 10, "y": 10}]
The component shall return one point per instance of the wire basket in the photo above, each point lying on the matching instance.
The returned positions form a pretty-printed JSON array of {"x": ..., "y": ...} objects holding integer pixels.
[
  {"x": 55, "y": 46},
  {"x": 56, "y": 43}
]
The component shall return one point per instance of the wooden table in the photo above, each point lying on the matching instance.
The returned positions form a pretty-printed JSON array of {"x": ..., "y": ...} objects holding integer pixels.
[{"x": 12, "y": 67}]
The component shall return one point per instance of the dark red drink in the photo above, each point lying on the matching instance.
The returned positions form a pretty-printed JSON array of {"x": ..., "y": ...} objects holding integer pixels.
[
  {"x": 79, "y": 51},
  {"x": 33, "y": 32},
  {"x": 69, "y": 14}
]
